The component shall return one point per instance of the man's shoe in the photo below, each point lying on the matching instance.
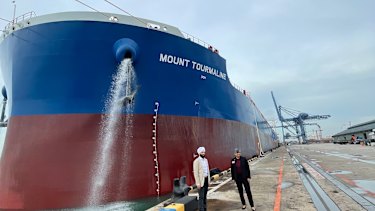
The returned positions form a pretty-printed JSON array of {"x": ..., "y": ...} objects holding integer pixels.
[{"x": 243, "y": 207}]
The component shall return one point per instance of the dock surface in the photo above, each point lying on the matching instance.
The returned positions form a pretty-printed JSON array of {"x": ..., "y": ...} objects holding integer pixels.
[
  {"x": 304, "y": 177},
  {"x": 265, "y": 173}
]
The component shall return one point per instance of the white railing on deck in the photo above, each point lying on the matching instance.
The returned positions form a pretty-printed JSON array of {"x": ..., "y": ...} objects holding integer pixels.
[
  {"x": 243, "y": 91},
  {"x": 199, "y": 42},
  {"x": 26, "y": 16},
  {"x": 247, "y": 94}
]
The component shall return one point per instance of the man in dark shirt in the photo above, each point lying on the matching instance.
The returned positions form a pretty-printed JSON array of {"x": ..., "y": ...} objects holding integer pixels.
[
  {"x": 352, "y": 140},
  {"x": 241, "y": 173}
]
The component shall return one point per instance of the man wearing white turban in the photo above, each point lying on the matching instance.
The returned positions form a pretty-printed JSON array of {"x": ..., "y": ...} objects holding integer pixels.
[{"x": 201, "y": 177}]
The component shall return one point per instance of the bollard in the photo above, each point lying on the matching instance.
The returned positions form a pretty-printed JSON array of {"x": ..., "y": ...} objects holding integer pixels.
[
  {"x": 180, "y": 199},
  {"x": 177, "y": 191},
  {"x": 184, "y": 186},
  {"x": 180, "y": 188}
]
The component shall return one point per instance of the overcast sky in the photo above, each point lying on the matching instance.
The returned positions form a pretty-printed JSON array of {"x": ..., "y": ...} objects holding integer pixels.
[{"x": 318, "y": 56}]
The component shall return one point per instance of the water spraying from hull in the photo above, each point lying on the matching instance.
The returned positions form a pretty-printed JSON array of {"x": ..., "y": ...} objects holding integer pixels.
[{"x": 119, "y": 101}]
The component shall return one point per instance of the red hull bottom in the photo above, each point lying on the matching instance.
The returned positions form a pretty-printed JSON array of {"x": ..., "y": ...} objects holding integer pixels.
[{"x": 48, "y": 161}]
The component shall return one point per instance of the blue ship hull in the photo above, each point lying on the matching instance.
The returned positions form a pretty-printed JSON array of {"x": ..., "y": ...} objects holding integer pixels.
[{"x": 58, "y": 75}]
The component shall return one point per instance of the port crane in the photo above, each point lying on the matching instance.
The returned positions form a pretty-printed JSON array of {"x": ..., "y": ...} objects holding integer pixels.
[{"x": 296, "y": 120}]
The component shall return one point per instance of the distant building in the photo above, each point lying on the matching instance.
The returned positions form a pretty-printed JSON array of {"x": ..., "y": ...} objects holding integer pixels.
[{"x": 363, "y": 131}]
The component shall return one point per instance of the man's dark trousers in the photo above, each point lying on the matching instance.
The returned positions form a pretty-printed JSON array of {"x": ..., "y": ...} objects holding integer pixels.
[
  {"x": 202, "y": 203},
  {"x": 245, "y": 183}
]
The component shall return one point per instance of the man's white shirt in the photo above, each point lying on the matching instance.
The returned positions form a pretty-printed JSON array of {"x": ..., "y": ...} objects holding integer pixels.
[{"x": 204, "y": 163}]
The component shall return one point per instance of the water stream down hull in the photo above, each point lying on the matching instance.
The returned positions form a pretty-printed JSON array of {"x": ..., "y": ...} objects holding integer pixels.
[
  {"x": 58, "y": 72},
  {"x": 55, "y": 169}
]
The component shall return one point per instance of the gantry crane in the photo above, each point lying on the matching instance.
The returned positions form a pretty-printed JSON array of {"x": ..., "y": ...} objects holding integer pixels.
[{"x": 296, "y": 121}]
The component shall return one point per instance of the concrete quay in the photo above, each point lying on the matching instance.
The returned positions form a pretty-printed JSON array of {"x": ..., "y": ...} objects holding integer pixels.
[
  {"x": 265, "y": 184},
  {"x": 303, "y": 177},
  {"x": 350, "y": 166}
]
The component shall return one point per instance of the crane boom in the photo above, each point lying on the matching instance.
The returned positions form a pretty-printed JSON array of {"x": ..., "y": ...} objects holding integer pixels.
[
  {"x": 297, "y": 120},
  {"x": 278, "y": 110}
]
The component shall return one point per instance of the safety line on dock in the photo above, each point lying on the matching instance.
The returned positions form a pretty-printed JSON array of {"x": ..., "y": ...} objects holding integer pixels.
[
  {"x": 261, "y": 158},
  {"x": 218, "y": 186},
  {"x": 278, "y": 192}
]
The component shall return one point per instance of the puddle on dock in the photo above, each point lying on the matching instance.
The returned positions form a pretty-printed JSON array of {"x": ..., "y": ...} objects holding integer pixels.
[
  {"x": 364, "y": 194},
  {"x": 368, "y": 185},
  {"x": 366, "y": 188},
  {"x": 266, "y": 172},
  {"x": 340, "y": 172},
  {"x": 286, "y": 184},
  {"x": 314, "y": 161}
]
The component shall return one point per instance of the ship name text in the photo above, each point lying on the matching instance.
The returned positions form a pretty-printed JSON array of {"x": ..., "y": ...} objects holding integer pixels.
[{"x": 170, "y": 59}]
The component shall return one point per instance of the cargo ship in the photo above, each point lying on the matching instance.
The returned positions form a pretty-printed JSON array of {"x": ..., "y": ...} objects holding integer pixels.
[{"x": 71, "y": 78}]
